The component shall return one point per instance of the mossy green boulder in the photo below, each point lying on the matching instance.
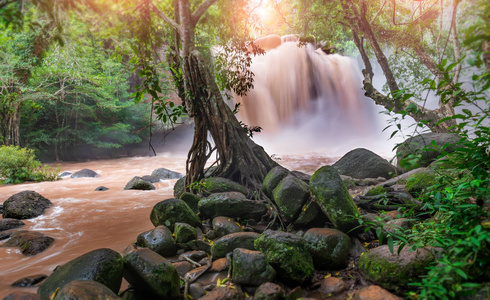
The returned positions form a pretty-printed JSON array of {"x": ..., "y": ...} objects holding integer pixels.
[
  {"x": 138, "y": 183},
  {"x": 192, "y": 200},
  {"x": 184, "y": 233},
  {"x": 250, "y": 268},
  {"x": 225, "y": 225},
  {"x": 331, "y": 194},
  {"x": 273, "y": 178},
  {"x": 149, "y": 272},
  {"x": 179, "y": 187},
  {"x": 288, "y": 254},
  {"x": 159, "y": 240},
  {"x": 213, "y": 185},
  {"x": 290, "y": 195},
  {"x": 102, "y": 265},
  {"x": 328, "y": 247},
  {"x": 230, "y": 242},
  {"x": 420, "y": 181},
  {"x": 171, "y": 211},
  {"x": 393, "y": 271},
  {"x": 233, "y": 205},
  {"x": 85, "y": 289}
]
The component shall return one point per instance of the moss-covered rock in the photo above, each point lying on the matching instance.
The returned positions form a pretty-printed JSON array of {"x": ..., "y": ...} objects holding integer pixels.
[
  {"x": 7, "y": 224},
  {"x": 184, "y": 233},
  {"x": 310, "y": 212},
  {"x": 231, "y": 204},
  {"x": 25, "y": 205},
  {"x": 230, "y": 242},
  {"x": 420, "y": 181},
  {"x": 164, "y": 174},
  {"x": 362, "y": 163},
  {"x": 29, "y": 242},
  {"x": 179, "y": 187},
  {"x": 214, "y": 185},
  {"x": 290, "y": 195},
  {"x": 170, "y": 211},
  {"x": 288, "y": 254},
  {"x": 192, "y": 200},
  {"x": 273, "y": 178},
  {"x": 138, "y": 183},
  {"x": 269, "y": 291},
  {"x": 331, "y": 194},
  {"x": 85, "y": 289},
  {"x": 102, "y": 265},
  {"x": 329, "y": 248},
  {"x": 149, "y": 272},
  {"x": 377, "y": 190},
  {"x": 250, "y": 268},
  {"x": 159, "y": 240},
  {"x": 393, "y": 271},
  {"x": 224, "y": 225}
]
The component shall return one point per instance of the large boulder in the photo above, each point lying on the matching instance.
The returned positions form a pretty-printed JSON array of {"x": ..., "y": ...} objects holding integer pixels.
[
  {"x": 273, "y": 178},
  {"x": 290, "y": 195},
  {"x": 29, "y": 281},
  {"x": 363, "y": 163},
  {"x": 84, "y": 173},
  {"x": 230, "y": 242},
  {"x": 170, "y": 211},
  {"x": 331, "y": 194},
  {"x": 29, "y": 242},
  {"x": 224, "y": 225},
  {"x": 184, "y": 233},
  {"x": 192, "y": 200},
  {"x": 138, "y": 183},
  {"x": 159, "y": 240},
  {"x": 212, "y": 185},
  {"x": 164, "y": 174},
  {"x": 250, "y": 268},
  {"x": 231, "y": 204},
  {"x": 422, "y": 145},
  {"x": 288, "y": 255},
  {"x": 85, "y": 289},
  {"x": 374, "y": 292},
  {"x": 25, "y": 205},
  {"x": 394, "y": 271},
  {"x": 102, "y": 265},
  {"x": 7, "y": 224},
  {"x": 179, "y": 187},
  {"x": 152, "y": 274},
  {"x": 329, "y": 248}
]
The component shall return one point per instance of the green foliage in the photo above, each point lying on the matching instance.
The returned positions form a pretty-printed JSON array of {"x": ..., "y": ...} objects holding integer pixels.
[{"x": 19, "y": 164}]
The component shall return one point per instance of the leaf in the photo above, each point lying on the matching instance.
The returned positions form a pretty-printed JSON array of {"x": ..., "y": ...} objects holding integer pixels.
[
  {"x": 460, "y": 273},
  {"x": 390, "y": 244}
]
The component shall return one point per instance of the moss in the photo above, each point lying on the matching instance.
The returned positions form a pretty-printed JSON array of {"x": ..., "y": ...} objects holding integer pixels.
[
  {"x": 377, "y": 190},
  {"x": 420, "y": 181}
]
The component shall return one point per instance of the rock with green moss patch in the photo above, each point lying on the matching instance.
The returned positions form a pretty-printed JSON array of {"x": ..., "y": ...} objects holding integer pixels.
[
  {"x": 170, "y": 211},
  {"x": 290, "y": 195},
  {"x": 225, "y": 225},
  {"x": 363, "y": 163},
  {"x": 420, "y": 181},
  {"x": 85, "y": 289},
  {"x": 179, "y": 187},
  {"x": 230, "y": 242},
  {"x": 184, "y": 233},
  {"x": 159, "y": 240},
  {"x": 25, "y": 205},
  {"x": 149, "y": 272},
  {"x": 102, "y": 265},
  {"x": 331, "y": 194},
  {"x": 214, "y": 185},
  {"x": 393, "y": 271},
  {"x": 192, "y": 200},
  {"x": 138, "y": 183},
  {"x": 329, "y": 248},
  {"x": 250, "y": 268},
  {"x": 377, "y": 190},
  {"x": 29, "y": 242},
  {"x": 231, "y": 204},
  {"x": 310, "y": 213},
  {"x": 288, "y": 254},
  {"x": 273, "y": 178}
]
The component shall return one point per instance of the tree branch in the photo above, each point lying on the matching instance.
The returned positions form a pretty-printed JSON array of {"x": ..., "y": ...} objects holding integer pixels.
[
  {"x": 197, "y": 14},
  {"x": 165, "y": 18}
]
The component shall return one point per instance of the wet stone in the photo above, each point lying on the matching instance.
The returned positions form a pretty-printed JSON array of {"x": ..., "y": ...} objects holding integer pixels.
[
  {"x": 85, "y": 289},
  {"x": 224, "y": 225},
  {"x": 159, "y": 240},
  {"x": 30, "y": 243},
  {"x": 6, "y": 224},
  {"x": 329, "y": 248},
  {"x": 30, "y": 280},
  {"x": 184, "y": 233},
  {"x": 250, "y": 268},
  {"x": 374, "y": 292},
  {"x": 230, "y": 242},
  {"x": 171, "y": 211},
  {"x": 101, "y": 189},
  {"x": 22, "y": 296},
  {"x": 183, "y": 267},
  {"x": 138, "y": 183},
  {"x": 25, "y": 205},
  {"x": 269, "y": 291},
  {"x": 84, "y": 173},
  {"x": 193, "y": 255}
]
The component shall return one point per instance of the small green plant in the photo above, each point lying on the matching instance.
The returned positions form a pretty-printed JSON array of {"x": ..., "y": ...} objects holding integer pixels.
[{"x": 20, "y": 164}]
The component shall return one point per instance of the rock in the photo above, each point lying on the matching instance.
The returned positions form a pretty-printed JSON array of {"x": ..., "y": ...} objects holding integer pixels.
[
  {"x": 393, "y": 271},
  {"x": 191, "y": 200},
  {"x": 65, "y": 174},
  {"x": 101, "y": 189},
  {"x": 213, "y": 185},
  {"x": 8, "y": 233},
  {"x": 25, "y": 205},
  {"x": 102, "y": 265},
  {"x": 84, "y": 173},
  {"x": 363, "y": 163},
  {"x": 159, "y": 240},
  {"x": 250, "y": 268},
  {"x": 85, "y": 289},
  {"x": 290, "y": 195},
  {"x": 310, "y": 213},
  {"x": 137, "y": 183},
  {"x": 184, "y": 233},
  {"x": 29, "y": 242},
  {"x": 6, "y": 224},
  {"x": 182, "y": 267},
  {"x": 196, "y": 291},
  {"x": 349, "y": 182},
  {"x": 331, "y": 194},
  {"x": 273, "y": 178},
  {"x": 22, "y": 296},
  {"x": 224, "y": 225},
  {"x": 193, "y": 255},
  {"x": 171, "y": 211},
  {"x": 329, "y": 248},
  {"x": 397, "y": 224},
  {"x": 302, "y": 176},
  {"x": 230, "y": 242},
  {"x": 288, "y": 255},
  {"x": 150, "y": 178},
  {"x": 415, "y": 146},
  {"x": 329, "y": 286},
  {"x": 147, "y": 271},
  {"x": 29, "y": 281},
  {"x": 179, "y": 187},
  {"x": 223, "y": 293},
  {"x": 231, "y": 204},
  {"x": 374, "y": 292},
  {"x": 269, "y": 291},
  {"x": 221, "y": 264},
  {"x": 164, "y": 174},
  {"x": 420, "y": 181}
]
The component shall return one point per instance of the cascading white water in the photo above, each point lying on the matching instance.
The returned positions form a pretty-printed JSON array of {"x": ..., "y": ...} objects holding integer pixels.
[{"x": 306, "y": 100}]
